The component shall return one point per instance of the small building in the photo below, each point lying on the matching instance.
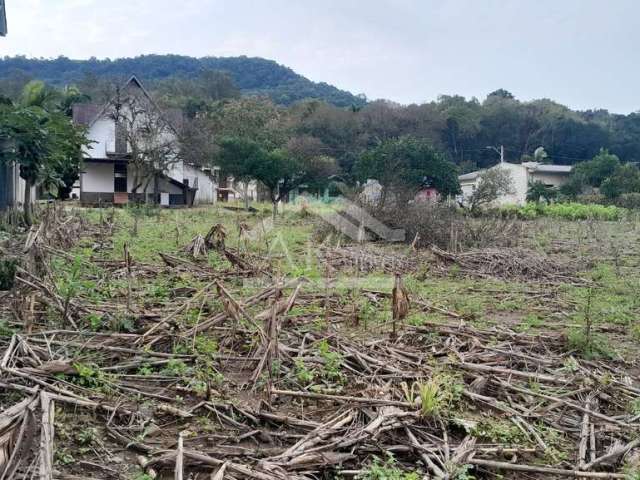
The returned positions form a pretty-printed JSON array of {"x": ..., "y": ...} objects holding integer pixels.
[
  {"x": 522, "y": 175},
  {"x": 110, "y": 176},
  {"x": 426, "y": 195}
]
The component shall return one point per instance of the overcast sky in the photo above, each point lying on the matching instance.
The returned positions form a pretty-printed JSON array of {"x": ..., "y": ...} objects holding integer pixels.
[{"x": 583, "y": 53}]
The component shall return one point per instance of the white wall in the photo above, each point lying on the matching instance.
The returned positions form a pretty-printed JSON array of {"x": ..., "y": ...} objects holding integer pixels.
[
  {"x": 207, "y": 188},
  {"x": 98, "y": 177},
  {"x": 103, "y": 134},
  {"x": 520, "y": 184}
]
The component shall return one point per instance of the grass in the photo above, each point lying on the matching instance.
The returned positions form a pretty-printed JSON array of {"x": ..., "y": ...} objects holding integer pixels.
[
  {"x": 610, "y": 302},
  {"x": 291, "y": 246}
]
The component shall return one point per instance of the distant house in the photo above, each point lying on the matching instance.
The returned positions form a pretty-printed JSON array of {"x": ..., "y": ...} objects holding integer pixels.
[
  {"x": 109, "y": 174},
  {"x": 426, "y": 195},
  {"x": 522, "y": 175}
]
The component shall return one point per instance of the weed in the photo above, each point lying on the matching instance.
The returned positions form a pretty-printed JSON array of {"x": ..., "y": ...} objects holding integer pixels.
[
  {"x": 90, "y": 376},
  {"x": 304, "y": 375},
  {"x": 64, "y": 457},
  {"x": 386, "y": 470},
  {"x": 634, "y": 406},
  {"x": 499, "y": 431},
  {"x": 332, "y": 368},
  {"x": 592, "y": 346},
  {"x": 141, "y": 476},
  {"x": 5, "y": 329},
  {"x": 436, "y": 396},
  {"x": 175, "y": 367},
  {"x": 206, "y": 345},
  {"x": 87, "y": 436}
]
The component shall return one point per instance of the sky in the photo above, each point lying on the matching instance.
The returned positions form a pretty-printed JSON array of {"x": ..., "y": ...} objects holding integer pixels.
[{"x": 582, "y": 53}]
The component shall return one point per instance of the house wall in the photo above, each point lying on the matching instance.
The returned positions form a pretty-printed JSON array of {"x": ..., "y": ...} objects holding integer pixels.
[
  {"x": 207, "y": 188},
  {"x": 548, "y": 178},
  {"x": 520, "y": 179},
  {"x": 98, "y": 177},
  {"x": 163, "y": 184},
  {"x": 103, "y": 134},
  {"x": 467, "y": 188},
  {"x": 520, "y": 183}
]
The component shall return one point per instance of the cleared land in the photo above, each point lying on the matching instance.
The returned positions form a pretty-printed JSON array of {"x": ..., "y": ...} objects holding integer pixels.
[{"x": 208, "y": 343}]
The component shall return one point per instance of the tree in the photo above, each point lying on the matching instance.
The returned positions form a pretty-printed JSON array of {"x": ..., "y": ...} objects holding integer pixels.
[
  {"x": 593, "y": 172},
  {"x": 538, "y": 190},
  {"x": 402, "y": 166},
  {"x": 144, "y": 136},
  {"x": 540, "y": 155},
  {"x": 24, "y": 140},
  {"x": 625, "y": 179},
  {"x": 42, "y": 144},
  {"x": 240, "y": 158},
  {"x": 281, "y": 171},
  {"x": 502, "y": 93},
  {"x": 493, "y": 184}
]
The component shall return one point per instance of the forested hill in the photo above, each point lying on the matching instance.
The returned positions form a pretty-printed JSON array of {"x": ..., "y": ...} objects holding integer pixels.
[{"x": 250, "y": 75}]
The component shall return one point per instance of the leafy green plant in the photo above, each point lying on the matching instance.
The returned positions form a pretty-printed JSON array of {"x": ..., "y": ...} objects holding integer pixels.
[
  {"x": 386, "y": 470},
  {"x": 498, "y": 431},
  {"x": 634, "y": 406},
  {"x": 175, "y": 368},
  {"x": 332, "y": 368},
  {"x": 90, "y": 376},
  {"x": 566, "y": 211},
  {"x": 5, "y": 329},
  {"x": 304, "y": 375},
  {"x": 205, "y": 345}
]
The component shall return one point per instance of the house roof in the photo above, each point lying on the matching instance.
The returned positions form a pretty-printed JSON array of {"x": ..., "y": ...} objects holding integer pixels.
[
  {"x": 531, "y": 166},
  {"x": 88, "y": 113},
  {"x": 469, "y": 176},
  {"x": 85, "y": 113},
  {"x": 543, "y": 167}
]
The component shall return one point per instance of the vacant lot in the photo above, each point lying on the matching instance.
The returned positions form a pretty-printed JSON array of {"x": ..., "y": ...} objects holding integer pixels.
[{"x": 211, "y": 343}]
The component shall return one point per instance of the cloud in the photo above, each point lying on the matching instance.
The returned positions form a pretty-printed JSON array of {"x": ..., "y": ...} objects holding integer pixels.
[{"x": 575, "y": 51}]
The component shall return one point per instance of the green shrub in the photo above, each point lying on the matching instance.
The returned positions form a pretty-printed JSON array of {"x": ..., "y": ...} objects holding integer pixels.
[
  {"x": 386, "y": 470},
  {"x": 566, "y": 211},
  {"x": 629, "y": 200}
]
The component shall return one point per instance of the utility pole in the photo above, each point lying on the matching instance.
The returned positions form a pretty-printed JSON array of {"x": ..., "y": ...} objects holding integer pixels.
[{"x": 500, "y": 151}]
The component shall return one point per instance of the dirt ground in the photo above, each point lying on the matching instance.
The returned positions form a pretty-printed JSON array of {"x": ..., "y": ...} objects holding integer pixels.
[{"x": 211, "y": 343}]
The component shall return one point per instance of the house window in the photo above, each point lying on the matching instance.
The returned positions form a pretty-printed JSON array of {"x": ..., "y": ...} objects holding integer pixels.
[{"x": 120, "y": 177}]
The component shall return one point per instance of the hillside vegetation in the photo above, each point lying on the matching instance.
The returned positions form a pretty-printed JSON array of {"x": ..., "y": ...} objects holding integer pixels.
[{"x": 251, "y": 75}]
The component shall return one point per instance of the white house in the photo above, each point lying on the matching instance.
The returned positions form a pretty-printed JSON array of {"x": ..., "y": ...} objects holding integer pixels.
[
  {"x": 109, "y": 175},
  {"x": 522, "y": 175}
]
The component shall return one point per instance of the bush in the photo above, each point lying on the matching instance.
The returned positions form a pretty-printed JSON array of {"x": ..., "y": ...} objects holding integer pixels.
[
  {"x": 629, "y": 200},
  {"x": 451, "y": 228},
  {"x": 567, "y": 211}
]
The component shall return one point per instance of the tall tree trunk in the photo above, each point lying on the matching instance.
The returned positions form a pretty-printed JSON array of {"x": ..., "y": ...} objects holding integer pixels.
[
  {"x": 274, "y": 202},
  {"x": 28, "y": 212}
]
